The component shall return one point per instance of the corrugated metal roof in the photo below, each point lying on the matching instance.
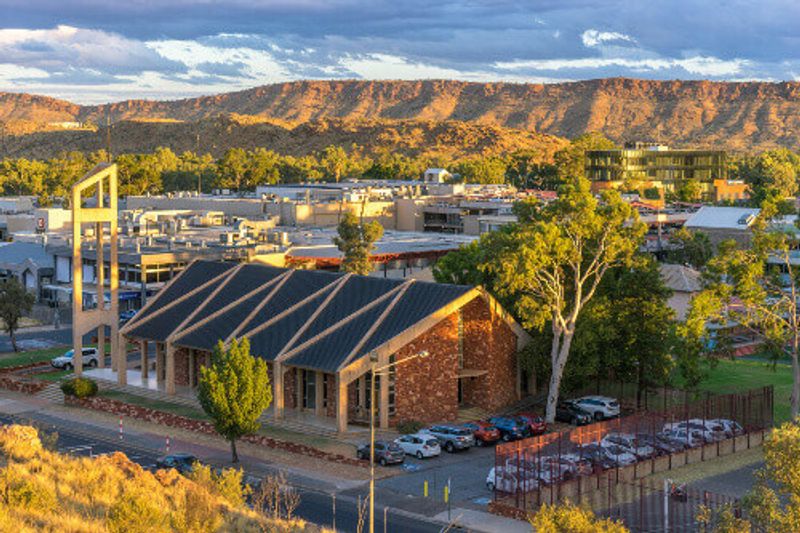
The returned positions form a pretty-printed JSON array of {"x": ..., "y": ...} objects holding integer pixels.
[
  {"x": 301, "y": 299},
  {"x": 709, "y": 216},
  {"x": 16, "y": 253}
]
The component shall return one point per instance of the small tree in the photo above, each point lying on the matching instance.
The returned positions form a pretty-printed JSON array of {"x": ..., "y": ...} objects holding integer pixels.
[
  {"x": 553, "y": 263},
  {"x": 15, "y": 302},
  {"x": 689, "y": 247},
  {"x": 357, "y": 240},
  {"x": 234, "y": 391},
  {"x": 569, "y": 518}
]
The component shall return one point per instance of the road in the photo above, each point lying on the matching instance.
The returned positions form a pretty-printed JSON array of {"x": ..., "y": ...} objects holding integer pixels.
[{"x": 316, "y": 505}]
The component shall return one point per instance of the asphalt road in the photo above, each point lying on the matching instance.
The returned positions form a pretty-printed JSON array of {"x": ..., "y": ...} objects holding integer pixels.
[
  {"x": 40, "y": 339},
  {"x": 316, "y": 506}
]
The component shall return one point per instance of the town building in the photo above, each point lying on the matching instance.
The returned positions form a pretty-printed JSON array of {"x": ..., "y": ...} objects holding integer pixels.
[
  {"x": 654, "y": 166},
  {"x": 723, "y": 223},
  {"x": 29, "y": 263},
  {"x": 321, "y": 333}
]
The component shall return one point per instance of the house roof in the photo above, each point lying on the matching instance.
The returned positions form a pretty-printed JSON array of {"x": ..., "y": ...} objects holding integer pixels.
[
  {"x": 713, "y": 217},
  {"x": 681, "y": 278},
  {"x": 15, "y": 254},
  {"x": 306, "y": 318}
]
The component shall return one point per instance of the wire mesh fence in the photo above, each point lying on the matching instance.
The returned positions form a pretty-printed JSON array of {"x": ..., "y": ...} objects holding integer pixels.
[{"x": 602, "y": 463}]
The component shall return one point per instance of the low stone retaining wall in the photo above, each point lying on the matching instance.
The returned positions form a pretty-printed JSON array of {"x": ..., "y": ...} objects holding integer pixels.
[
  {"x": 26, "y": 366},
  {"x": 172, "y": 420}
]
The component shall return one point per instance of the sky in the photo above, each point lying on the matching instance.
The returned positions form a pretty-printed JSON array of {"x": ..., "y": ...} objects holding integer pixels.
[{"x": 93, "y": 51}]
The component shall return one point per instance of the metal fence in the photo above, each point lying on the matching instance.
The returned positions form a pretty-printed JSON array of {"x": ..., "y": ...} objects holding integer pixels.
[{"x": 597, "y": 462}]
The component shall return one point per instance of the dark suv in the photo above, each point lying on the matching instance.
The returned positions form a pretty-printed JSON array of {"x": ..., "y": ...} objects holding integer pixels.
[
  {"x": 386, "y": 453},
  {"x": 510, "y": 428},
  {"x": 569, "y": 412},
  {"x": 182, "y": 462},
  {"x": 452, "y": 438}
]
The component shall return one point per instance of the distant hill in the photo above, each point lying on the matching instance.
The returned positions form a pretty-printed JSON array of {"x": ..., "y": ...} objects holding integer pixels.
[
  {"x": 740, "y": 115},
  {"x": 449, "y": 139}
]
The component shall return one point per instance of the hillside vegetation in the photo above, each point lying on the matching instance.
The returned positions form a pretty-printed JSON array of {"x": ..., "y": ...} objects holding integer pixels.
[
  {"x": 450, "y": 139},
  {"x": 735, "y": 115},
  {"x": 44, "y": 491}
]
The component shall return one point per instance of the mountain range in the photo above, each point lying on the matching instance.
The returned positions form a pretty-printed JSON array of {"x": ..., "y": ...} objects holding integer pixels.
[{"x": 741, "y": 116}]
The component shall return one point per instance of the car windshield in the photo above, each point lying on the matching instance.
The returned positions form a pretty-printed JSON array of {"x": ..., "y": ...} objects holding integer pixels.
[
  {"x": 616, "y": 450},
  {"x": 394, "y": 447},
  {"x": 69, "y": 354},
  {"x": 432, "y": 442},
  {"x": 462, "y": 432}
]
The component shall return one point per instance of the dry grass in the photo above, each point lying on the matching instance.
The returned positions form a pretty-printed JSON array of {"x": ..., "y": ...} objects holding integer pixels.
[{"x": 45, "y": 491}]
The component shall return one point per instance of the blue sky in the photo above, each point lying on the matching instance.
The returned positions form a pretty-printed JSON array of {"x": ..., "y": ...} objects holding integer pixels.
[{"x": 92, "y": 51}]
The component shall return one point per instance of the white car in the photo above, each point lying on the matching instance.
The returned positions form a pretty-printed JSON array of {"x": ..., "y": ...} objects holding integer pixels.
[
  {"x": 731, "y": 427},
  {"x": 618, "y": 454},
  {"x": 599, "y": 407},
  {"x": 690, "y": 437},
  {"x": 710, "y": 432},
  {"x": 420, "y": 445},
  {"x": 629, "y": 442},
  {"x": 65, "y": 362},
  {"x": 505, "y": 479}
]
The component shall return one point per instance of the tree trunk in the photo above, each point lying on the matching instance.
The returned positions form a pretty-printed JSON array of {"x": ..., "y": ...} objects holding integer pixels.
[
  {"x": 795, "y": 382},
  {"x": 12, "y": 335},
  {"x": 234, "y": 455},
  {"x": 559, "y": 354}
]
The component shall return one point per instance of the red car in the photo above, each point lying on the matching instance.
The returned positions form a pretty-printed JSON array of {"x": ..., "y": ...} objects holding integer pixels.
[
  {"x": 484, "y": 432},
  {"x": 535, "y": 422}
]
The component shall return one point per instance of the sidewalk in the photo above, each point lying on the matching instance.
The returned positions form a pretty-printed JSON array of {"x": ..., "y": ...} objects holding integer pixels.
[{"x": 480, "y": 521}]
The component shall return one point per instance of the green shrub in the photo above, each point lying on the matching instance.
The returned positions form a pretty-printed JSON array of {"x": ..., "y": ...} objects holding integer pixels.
[
  {"x": 409, "y": 426},
  {"x": 79, "y": 387}
]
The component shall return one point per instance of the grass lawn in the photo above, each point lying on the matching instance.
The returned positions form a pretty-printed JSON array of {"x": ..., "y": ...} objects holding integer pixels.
[
  {"x": 33, "y": 356},
  {"x": 55, "y": 375},
  {"x": 739, "y": 375}
]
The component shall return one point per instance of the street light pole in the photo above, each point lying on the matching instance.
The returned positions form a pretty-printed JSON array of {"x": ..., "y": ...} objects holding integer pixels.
[{"x": 373, "y": 372}]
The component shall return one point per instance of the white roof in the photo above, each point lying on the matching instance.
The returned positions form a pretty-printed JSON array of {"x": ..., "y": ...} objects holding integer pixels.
[
  {"x": 722, "y": 217},
  {"x": 436, "y": 171}
]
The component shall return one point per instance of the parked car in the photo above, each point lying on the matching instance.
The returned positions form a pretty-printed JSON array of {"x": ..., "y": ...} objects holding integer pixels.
[
  {"x": 505, "y": 479},
  {"x": 65, "y": 362},
  {"x": 579, "y": 466},
  {"x": 420, "y": 445},
  {"x": 731, "y": 427},
  {"x": 601, "y": 407},
  {"x": 692, "y": 438},
  {"x": 484, "y": 432},
  {"x": 709, "y": 432},
  {"x": 568, "y": 411},
  {"x": 452, "y": 438},
  {"x": 510, "y": 428},
  {"x": 597, "y": 455},
  {"x": 662, "y": 444},
  {"x": 631, "y": 444},
  {"x": 552, "y": 470},
  {"x": 618, "y": 454},
  {"x": 536, "y": 423},
  {"x": 182, "y": 462},
  {"x": 386, "y": 453},
  {"x": 126, "y": 316}
]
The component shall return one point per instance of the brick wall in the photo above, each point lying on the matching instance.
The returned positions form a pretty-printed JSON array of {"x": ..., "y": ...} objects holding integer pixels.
[
  {"x": 489, "y": 344},
  {"x": 182, "y": 366},
  {"x": 427, "y": 389},
  {"x": 290, "y": 388}
]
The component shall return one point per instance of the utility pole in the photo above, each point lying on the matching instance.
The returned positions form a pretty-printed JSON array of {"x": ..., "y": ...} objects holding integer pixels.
[{"x": 108, "y": 134}]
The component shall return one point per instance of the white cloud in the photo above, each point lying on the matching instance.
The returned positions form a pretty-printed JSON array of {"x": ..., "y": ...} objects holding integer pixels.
[
  {"x": 698, "y": 65},
  {"x": 591, "y": 38}
]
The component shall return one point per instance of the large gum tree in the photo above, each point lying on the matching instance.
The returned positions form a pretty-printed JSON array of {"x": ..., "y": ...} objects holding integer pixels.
[{"x": 552, "y": 261}]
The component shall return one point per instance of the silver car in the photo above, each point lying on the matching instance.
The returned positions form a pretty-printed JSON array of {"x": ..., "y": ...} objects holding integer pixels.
[{"x": 65, "y": 362}]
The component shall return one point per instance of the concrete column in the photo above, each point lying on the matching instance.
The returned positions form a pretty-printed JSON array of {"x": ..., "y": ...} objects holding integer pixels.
[
  {"x": 159, "y": 362},
  {"x": 383, "y": 401},
  {"x": 170, "y": 377},
  {"x": 101, "y": 346},
  {"x": 277, "y": 389},
  {"x": 362, "y": 392},
  {"x": 319, "y": 389},
  {"x": 341, "y": 404},
  {"x": 145, "y": 362},
  {"x": 121, "y": 358},
  {"x": 192, "y": 368}
]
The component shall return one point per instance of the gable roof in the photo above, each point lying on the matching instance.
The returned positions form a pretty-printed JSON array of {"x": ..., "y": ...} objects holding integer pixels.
[
  {"x": 15, "y": 254},
  {"x": 307, "y": 318},
  {"x": 717, "y": 217},
  {"x": 681, "y": 278}
]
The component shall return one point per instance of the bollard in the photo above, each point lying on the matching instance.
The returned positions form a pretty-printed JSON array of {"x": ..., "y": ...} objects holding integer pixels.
[
  {"x": 120, "y": 428},
  {"x": 446, "y": 493},
  {"x": 167, "y": 445},
  {"x": 425, "y": 488}
]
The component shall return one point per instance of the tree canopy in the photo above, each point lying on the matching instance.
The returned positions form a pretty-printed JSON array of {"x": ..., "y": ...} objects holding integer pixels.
[
  {"x": 356, "y": 240},
  {"x": 234, "y": 391},
  {"x": 15, "y": 302}
]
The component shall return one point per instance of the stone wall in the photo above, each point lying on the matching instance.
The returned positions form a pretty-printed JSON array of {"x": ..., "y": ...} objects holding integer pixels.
[
  {"x": 491, "y": 345},
  {"x": 182, "y": 366},
  {"x": 427, "y": 389}
]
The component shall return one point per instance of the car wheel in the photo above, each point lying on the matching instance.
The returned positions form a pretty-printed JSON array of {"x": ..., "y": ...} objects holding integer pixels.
[
  {"x": 598, "y": 415},
  {"x": 449, "y": 447},
  {"x": 490, "y": 486},
  {"x": 382, "y": 462},
  {"x": 506, "y": 437},
  {"x": 419, "y": 455},
  {"x": 68, "y": 366},
  {"x": 92, "y": 363},
  {"x": 479, "y": 443}
]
